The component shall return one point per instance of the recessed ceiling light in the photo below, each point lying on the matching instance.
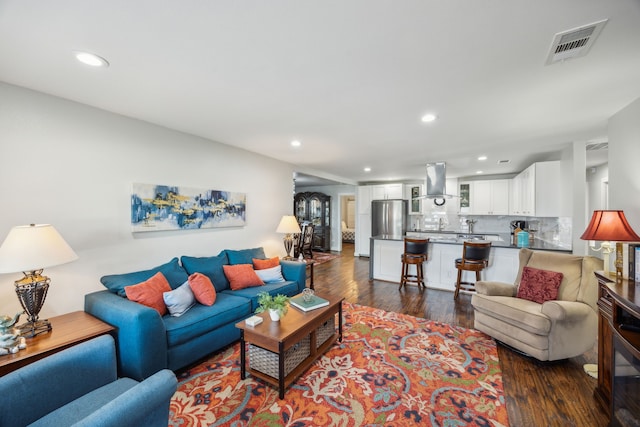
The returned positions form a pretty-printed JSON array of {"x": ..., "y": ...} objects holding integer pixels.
[
  {"x": 91, "y": 59},
  {"x": 479, "y": 172},
  {"x": 428, "y": 118},
  {"x": 481, "y": 158},
  {"x": 296, "y": 143},
  {"x": 367, "y": 169}
]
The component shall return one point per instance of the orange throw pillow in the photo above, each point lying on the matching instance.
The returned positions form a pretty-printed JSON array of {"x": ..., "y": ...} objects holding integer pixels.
[
  {"x": 150, "y": 292},
  {"x": 263, "y": 264},
  {"x": 202, "y": 289},
  {"x": 241, "y": 276}
]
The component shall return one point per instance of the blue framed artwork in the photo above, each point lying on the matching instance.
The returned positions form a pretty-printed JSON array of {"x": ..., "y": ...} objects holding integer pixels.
[{"x": 164, "y": 207}]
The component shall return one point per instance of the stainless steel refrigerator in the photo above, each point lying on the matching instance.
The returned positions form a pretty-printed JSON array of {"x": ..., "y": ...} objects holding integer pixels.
[{"x": 389, "y": 217}]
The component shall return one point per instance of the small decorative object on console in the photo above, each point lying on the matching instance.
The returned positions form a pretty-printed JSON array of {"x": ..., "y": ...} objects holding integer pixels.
[
  {"x": 10, "y": 340},
  {"x": 7, "y": 322},
  {"x": 11, "y": 343},
  {"x": 254, "y": 320}
]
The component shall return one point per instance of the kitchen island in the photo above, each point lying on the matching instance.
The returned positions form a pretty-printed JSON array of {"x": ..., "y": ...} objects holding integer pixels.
[{"x": 444, "y": 248}]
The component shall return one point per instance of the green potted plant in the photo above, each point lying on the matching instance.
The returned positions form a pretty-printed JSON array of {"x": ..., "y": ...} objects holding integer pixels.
[{"x": 276, "y": 305}]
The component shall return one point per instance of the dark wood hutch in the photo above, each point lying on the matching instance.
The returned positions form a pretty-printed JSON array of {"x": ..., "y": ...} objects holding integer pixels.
[
  {"x": 619, "y": 349},
  {"x": 315, "y": 208}
]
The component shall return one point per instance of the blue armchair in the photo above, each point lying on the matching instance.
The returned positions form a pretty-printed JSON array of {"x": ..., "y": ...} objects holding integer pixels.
[{"x": 79, "y": 386}]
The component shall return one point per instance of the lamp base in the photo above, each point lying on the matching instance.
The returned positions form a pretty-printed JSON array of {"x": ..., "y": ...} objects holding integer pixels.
[
  {"x": 31, "y": 329},
  {"x": 32, "y": 291},
  {"x": 288, "y": 245}
]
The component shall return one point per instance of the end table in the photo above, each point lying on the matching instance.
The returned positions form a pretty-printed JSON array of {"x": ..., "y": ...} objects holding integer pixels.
[{"x": 67, "y": 330}]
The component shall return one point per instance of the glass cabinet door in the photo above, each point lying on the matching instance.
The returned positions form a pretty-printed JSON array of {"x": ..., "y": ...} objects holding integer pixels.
[
  {"x": 300, "y": 210},
  {"x": 315, "y": 210}
]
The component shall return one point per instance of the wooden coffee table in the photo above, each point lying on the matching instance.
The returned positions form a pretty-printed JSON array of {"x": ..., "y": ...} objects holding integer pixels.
[
  {"x": 67, "y": 330},
  {"x": 298, "y": 335}
]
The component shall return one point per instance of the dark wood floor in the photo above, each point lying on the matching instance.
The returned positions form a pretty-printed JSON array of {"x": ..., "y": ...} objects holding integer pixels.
[{"x": 558, "y": 394}]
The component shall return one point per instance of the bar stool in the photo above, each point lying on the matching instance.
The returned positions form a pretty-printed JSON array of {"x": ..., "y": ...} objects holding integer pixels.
[
  {"x": 475, "y": 257},
  {"x": 415, "y": 253}
]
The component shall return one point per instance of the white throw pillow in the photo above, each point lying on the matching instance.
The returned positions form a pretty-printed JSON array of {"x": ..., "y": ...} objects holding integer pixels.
[
  {"x": 271, "y": 275},
  {"x": 179, "y": 300}
]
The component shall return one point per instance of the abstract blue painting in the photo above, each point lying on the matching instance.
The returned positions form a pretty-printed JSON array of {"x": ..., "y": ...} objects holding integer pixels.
[{"x": 164, "y": 207}]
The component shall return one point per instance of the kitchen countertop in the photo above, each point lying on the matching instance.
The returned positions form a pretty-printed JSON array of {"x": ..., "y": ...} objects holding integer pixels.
[{"x": 498, "y": 240}]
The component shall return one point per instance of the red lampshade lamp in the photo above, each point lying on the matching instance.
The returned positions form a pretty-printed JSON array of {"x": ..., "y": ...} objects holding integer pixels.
[{"x": 607, "y": 226}]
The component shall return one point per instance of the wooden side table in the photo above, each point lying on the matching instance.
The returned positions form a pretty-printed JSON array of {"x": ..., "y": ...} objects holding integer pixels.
[
  {"x": 310, "y": 263},
  {"x": 67, "y": 330}
]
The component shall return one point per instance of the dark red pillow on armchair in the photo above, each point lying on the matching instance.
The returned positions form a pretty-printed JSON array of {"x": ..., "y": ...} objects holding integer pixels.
[{"x": 539, "y": 285}]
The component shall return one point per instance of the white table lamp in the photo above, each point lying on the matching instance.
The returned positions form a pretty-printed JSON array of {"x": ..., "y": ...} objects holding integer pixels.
[{"x": 30, "y": 249}]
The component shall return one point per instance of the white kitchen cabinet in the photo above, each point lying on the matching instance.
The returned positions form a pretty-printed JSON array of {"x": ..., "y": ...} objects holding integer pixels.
[
  {"x": 415, "y": 205},
  {"x": 489, "y": 197},
  {"x": 386, "y": 191},
  {"x": 538, "y": 191},
  {"x": 515, "y": 202},
  {"x": 523, "y": 192}
]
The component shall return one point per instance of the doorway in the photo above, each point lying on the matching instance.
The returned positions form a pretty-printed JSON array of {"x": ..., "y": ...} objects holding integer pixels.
[{"x": 347, "y": 219}]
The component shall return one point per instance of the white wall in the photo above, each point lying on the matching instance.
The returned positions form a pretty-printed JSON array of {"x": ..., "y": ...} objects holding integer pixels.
[
  {"x": 596, "y": 176},
  {"x": 72, "y": 166},
  {"x": 624, "y": 158},
  {"x": 595, "y": 194}
]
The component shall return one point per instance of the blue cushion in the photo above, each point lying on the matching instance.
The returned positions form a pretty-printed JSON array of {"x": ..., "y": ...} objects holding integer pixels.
[
  {"x": 173, "y": 271},
  {"x": 202, "y": 319},
  {"x": 210, "y": 267},
  {"x": 288, "y": 288},
  {"x": 178, "y": 301},
  {"x": 244, "y": 256}
]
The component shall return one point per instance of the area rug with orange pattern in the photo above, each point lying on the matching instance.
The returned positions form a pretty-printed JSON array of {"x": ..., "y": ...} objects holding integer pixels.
[{"x": 390, "y": 369}]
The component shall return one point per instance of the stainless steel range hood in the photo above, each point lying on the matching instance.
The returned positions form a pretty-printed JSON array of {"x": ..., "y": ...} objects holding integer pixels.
[{"x": 437, "y": 183}]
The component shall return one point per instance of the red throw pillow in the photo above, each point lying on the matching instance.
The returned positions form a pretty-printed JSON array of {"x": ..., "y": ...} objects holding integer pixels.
[
  {"x": 150, "y": 292},
  {"x": 241, "y": 276},
  {"x": 202, "y": 289},
  {"x": 263, "y": 264},
  {"x": 539, "y": 285}
]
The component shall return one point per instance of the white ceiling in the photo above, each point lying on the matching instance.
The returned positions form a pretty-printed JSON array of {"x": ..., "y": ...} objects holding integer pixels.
[{"x": 350, "y": 79}]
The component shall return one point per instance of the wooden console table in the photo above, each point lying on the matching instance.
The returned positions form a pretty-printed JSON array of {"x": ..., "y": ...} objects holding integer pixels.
[
  {"x": 613, "y": 298},
  {"x": 67, "y": 330}
]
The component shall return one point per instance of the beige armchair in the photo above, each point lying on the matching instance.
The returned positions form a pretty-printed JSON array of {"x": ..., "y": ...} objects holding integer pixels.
[{"x": 558, "y": 329}]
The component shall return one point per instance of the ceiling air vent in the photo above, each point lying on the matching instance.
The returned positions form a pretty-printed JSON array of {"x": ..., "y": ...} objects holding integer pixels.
[{"x": 574, "y": 43}]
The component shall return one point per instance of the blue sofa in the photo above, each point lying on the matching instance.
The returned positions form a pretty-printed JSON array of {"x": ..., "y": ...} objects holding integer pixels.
[
  {"x": 148, "y": 342},
  {"x": 79, "y": 386}
]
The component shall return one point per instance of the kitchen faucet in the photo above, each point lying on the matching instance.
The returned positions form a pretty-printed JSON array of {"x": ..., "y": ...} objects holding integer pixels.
[{"x": 470, "y": 223}]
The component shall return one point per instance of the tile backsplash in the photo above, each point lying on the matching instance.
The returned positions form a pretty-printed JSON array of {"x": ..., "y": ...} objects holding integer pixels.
[{"x": 556, "y": 230}]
